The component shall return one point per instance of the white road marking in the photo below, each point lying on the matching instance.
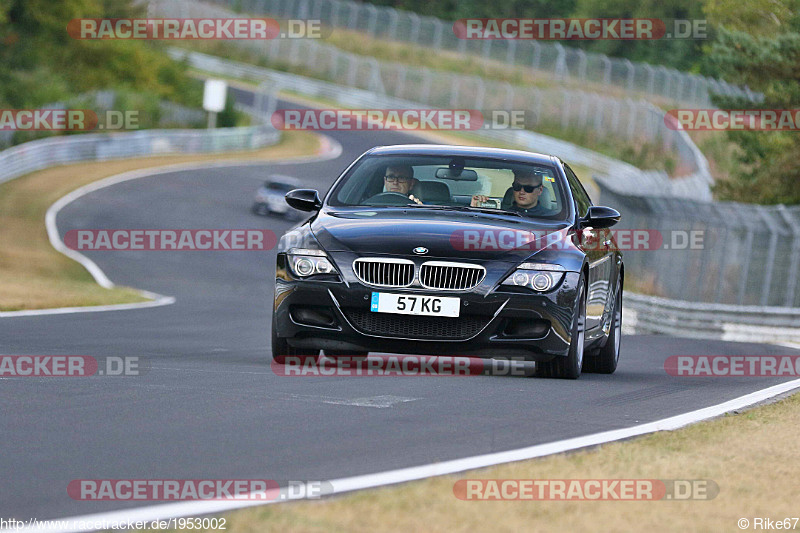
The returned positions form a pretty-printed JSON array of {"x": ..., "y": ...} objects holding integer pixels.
[
  {"x": 195, "y": 508},
  {"x": 378, "y": 402}
]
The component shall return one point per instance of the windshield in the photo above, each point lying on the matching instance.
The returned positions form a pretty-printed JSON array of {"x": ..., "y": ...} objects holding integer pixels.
[{"x": 485, "y": 185}]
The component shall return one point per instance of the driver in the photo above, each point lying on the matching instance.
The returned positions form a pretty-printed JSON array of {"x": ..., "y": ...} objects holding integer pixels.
[{"x": 400, "y": 179}]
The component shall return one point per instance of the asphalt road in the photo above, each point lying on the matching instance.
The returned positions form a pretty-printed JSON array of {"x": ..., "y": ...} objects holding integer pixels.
[{"x": 210, "y": 407}]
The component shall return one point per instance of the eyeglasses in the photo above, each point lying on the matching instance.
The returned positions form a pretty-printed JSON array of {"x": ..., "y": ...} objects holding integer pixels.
[
  {"x": 528, "y": 188},
  {"x": 396, "y": 179}
]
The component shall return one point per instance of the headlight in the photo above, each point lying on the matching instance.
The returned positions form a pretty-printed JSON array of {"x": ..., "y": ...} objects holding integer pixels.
[
  {"x": 541, "y": 277},
  {"x": 306, "y": 262}
]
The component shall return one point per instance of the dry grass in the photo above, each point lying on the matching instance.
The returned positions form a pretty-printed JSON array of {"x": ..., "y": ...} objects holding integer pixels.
[
  {"x": 751, "y": 456},
  {"x": 33, "y": 275}
]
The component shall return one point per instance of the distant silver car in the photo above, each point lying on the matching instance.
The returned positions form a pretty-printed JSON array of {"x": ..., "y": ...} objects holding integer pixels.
[{"x": 269, "y": 199}]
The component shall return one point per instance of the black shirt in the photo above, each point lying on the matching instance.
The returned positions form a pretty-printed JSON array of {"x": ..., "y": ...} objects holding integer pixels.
[{"x": 534, "y": 211}]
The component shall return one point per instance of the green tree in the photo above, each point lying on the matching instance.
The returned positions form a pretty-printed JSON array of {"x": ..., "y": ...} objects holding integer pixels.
[
  {"x": 40, "y": 63},
  {"x": 683, "y": 54},
  {"x": 761, "y": 48}
]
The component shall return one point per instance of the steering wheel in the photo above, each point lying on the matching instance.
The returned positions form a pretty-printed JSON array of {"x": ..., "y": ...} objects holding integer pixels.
[{"x": 388, "y": 198}]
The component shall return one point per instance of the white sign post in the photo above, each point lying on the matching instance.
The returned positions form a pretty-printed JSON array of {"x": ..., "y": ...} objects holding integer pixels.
[{"x": 214, "y": 99}]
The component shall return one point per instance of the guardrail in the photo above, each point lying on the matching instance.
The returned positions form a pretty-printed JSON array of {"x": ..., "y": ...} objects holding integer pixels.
[
  {"x": 36, "y": 155},
  {"x": 742, "y": 254},
  {"x": 649, "y": 314}
]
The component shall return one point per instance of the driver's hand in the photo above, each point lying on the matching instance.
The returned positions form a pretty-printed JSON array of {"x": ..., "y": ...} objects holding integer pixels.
[
  {"x": 414, "y": 199},
  {"x": 478, "y": 199}
]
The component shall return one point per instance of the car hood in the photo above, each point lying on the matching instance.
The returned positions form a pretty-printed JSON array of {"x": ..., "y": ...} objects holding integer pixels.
[{"x": 445, "y": 234}]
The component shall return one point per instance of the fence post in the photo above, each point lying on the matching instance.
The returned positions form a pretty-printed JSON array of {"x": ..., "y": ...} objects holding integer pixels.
[
  {"x": 352, "y": 70},
  {"x": 426, "y": 85},
  {"x": 615, "y": 115},
  {"x": 372, "y": 22},
  {"x": 415, "y": 22},
  {"x": 509, "y": 102},
  {"x": 392, "y": 23},
  {"x": 631, "y": 118},
  {"x": 537, "y": 55},
  {"x": 402, "y": 71},
  {"x": 630, "y": 75},
  {"x": 437, "y": 34},
  {"x": 454, "y": 85},
  {"x": 335, "y": 6},
  {"x": 746, "y": 267},
  {"x": 561, "y": 71},
  {"x": 511, "y": 52},
  {"x": 481, "y": 93},
  {"x": 598, "y": 113},
  {"x": 794, "y": 258},
  {"x": 773, "y": 244},
  {"x": 607, "y": 71},
  {"x": 651, "y": 79},
  {"x": 581, "y": 65},
  {"x": 565, "y": 108}
]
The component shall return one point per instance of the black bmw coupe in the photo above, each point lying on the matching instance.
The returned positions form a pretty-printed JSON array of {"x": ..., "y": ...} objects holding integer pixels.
[{"x": 452, "y": 250}]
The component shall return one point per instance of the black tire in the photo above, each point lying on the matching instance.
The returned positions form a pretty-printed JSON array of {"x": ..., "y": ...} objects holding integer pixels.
[
  {"x": 281, "y": 348},
  {"x": 570, "y": 367},
  {"x": 604, "y": 360}
]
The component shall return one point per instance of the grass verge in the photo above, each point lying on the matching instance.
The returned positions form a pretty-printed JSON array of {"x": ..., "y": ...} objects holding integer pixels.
[
  {"x": 751, "y": 456},
  {"x": 35, "y": 276}
]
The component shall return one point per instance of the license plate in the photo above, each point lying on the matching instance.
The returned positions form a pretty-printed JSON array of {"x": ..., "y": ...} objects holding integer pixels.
[{"x": 408, "y": 304}]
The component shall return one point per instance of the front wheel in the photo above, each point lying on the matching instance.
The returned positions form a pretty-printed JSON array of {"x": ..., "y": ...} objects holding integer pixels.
[
  {"x": 604, "y": 360},
  {"x": 569, "y": 367},
  {"x": 281, "y": 349}
]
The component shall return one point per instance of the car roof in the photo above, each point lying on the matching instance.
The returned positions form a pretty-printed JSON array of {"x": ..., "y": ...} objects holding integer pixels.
[{"x": 464, "y": 151}]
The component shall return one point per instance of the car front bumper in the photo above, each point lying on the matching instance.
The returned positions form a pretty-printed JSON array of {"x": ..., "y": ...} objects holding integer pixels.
[{"x": 336, "y": 316}]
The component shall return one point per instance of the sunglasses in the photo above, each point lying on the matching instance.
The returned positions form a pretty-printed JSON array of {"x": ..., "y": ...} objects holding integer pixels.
[{"x": 528, "y": 188}]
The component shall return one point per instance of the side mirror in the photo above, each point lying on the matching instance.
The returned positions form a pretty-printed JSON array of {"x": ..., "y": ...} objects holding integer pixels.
[
  {"x": 304, "y": 199},
  {"x": 599, "y": 217}
]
